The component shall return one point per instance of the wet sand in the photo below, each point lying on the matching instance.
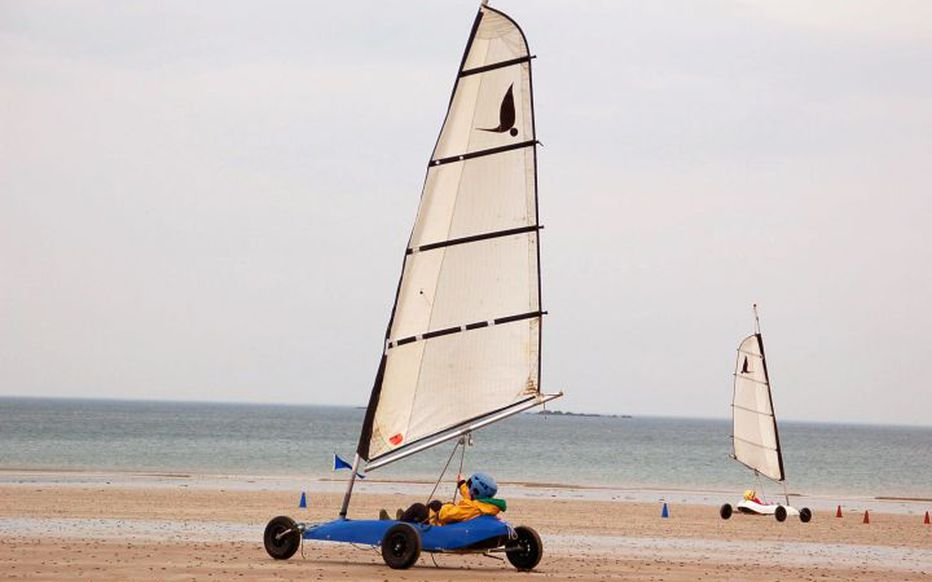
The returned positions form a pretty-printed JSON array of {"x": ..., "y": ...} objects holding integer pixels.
[{"x": 184, "y": 529}]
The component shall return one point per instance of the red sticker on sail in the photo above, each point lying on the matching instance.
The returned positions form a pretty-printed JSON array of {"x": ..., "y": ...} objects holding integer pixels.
[{"x": 396, "y": 439}]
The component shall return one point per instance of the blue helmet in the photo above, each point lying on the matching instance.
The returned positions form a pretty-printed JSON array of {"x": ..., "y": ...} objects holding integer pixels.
[{"x": 482, "y": 485}]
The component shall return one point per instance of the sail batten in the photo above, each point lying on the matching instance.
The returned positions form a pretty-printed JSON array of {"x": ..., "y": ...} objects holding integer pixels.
[
  {"x": 467, "y": 327},
  {"x": 758, "y": 445},
  {"x": 747, "y": 379},
  {"x": 463, "y": 341},
  {"x": 751, "y": 410},
  {"x": 493, "y": 66},
  {"x": 474, "y": 238},
  {"x": 482, "y": 153}
]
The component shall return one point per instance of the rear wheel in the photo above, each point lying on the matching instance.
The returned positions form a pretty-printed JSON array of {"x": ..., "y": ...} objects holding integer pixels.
[
  {"x": 805, "y": 515},
  {"x": 401, "y": 546},
  {"x": 725, "y": 511},
  {"x": 780, "y": 513},
  {"x": 282, "y": 537},
  {"x": 525, "y": 552}
]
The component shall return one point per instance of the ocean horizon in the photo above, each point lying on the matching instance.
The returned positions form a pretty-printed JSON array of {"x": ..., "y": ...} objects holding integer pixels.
[{"x": 67, "y": 434}]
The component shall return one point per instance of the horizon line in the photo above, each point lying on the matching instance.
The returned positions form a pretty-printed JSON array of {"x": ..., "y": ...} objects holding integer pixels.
[{"x": 361, "y": 407}]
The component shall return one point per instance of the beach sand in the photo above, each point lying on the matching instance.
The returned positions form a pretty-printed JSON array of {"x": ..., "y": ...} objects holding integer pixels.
[{"x": 182, "y": 529}]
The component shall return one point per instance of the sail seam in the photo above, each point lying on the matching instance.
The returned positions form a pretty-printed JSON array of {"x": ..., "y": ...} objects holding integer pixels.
[
  {"x": 752, "y": 410},
  {"x": 474, "y": 238},
  {"x": 481, "y": 153},
  {"x": 468, "y": 327},
  {"x": 737, "y": 438},
  {"x": 498, "y": 65},
  {"x": 469, "y": 46},
  {"x": 456, "y": 202}
]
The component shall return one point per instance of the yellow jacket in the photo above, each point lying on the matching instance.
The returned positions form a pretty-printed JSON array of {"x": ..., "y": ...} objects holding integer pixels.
[{"x": 466, "y": 508}]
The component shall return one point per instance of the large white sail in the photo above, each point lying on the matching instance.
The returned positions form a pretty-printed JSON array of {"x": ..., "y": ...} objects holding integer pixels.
[
  {"x": 463, "y": 341},
  {"x": 756, "y": 441}
]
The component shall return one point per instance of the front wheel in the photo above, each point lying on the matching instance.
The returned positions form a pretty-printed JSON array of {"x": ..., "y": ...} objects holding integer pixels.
[
  {"x": 780, "y": 513},
  {"x": 805, "y": 514},
  {"x": 401, "y": 546},
  {"x": 526, "y": 550},
  {"x": 725, "y": 511},
  {"x": 282, "y": 537}
]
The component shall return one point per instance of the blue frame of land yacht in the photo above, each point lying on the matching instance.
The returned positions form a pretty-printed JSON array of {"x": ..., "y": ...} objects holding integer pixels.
[{"x": 447, "y": 538}]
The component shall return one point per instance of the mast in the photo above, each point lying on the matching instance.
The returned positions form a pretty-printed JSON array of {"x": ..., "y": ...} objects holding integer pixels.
[{"x": 776, "y": 431}]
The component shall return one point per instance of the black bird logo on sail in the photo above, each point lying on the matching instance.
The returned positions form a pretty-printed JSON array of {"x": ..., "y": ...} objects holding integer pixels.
[
  {"x": 506, "y": 114},
  {"x": 744, "y": 368}
]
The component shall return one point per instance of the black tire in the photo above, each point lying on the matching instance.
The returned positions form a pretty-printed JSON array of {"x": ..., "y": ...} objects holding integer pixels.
[
  {"x": 525, "y": 552},
  {"x": 282, "y": 537},
  {"x": 726, "y": 511},
  {"x": 401, "y": 546},
  {"x": 805, "y": 515},
  {"x": 780, "y": 513}
]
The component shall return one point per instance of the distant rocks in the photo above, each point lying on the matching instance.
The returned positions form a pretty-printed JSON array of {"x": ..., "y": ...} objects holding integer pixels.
[{"x": 581, "y": 414}]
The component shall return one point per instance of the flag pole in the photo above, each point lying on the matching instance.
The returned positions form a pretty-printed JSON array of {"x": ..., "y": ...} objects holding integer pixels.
[{"x": 349, "y": 487}]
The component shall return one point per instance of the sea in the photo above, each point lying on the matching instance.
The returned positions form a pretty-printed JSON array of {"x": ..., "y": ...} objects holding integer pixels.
[{"x": 75, "y": 435}]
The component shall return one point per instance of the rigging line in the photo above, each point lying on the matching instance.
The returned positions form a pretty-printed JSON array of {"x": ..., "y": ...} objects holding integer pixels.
[
  {"x": 760, "y": 485},
  {"x": 465, "y": 440},
  {"x": 442, "y": 473}
]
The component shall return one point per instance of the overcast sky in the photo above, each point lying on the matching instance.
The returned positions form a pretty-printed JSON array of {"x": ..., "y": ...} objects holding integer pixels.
[{"x": 211, "y": 201}]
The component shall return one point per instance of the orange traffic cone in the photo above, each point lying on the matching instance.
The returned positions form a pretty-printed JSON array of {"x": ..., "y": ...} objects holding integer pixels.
[
  {"x": 927, "y": 521},
  {"x": 838, "y": 512},
  {"x": 867, "y": 517}
]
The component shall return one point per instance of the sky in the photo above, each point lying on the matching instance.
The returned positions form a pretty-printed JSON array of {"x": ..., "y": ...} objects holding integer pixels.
[{"x": 211, "y": 200}]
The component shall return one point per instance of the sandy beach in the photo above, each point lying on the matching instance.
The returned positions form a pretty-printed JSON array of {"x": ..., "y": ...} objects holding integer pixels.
[{"x": 120, "y": 527}]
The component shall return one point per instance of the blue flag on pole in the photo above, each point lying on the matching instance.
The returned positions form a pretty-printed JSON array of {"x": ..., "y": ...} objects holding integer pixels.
[{"x": 339, "y": 463}]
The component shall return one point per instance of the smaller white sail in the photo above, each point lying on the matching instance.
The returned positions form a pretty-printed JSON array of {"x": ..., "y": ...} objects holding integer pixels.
[{"x": 756, "y": 442}]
